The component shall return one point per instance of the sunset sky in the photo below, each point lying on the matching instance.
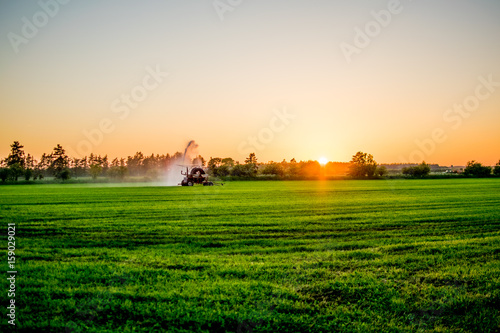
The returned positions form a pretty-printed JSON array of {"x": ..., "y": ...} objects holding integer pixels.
[{"x": 302, "y": 79}]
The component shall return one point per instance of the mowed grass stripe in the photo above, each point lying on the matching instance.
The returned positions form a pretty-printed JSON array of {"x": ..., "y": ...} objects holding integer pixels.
[{"x": 349, "y": 256}]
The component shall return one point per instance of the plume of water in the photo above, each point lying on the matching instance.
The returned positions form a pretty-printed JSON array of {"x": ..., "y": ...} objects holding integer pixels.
[
  {"x": 190, "y": 152},
  {"x": 173, "y": 174}
]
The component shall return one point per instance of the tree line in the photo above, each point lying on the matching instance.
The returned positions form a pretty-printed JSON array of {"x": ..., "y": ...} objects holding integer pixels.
[
  {"x": 364, "y": 166},
  {"x": 228, "y": 167},
  {"x": 60, "y": 166}
]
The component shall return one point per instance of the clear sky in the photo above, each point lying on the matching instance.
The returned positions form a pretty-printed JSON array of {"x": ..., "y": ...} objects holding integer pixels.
[{"x": 286, "y": 79}]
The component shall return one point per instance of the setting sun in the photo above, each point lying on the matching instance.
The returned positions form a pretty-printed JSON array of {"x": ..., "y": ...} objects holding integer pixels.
[{"x": 323, "y": 161}]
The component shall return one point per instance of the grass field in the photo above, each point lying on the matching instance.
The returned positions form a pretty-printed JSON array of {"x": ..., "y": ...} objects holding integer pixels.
[{"x": 346, "y": 256}]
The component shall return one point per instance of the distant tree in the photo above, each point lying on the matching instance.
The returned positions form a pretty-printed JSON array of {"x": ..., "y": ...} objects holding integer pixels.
[
  {"x": 28, "y": 173},
  {"x": 95, "y": 170},
  {"x": 213, "y": 165},
  {"x": 65, "y": 174},
  {"x": 135, "y": 163},
  {"x": 251, "y": 165},
  {"x": 336, "y": 168},
  {"x": 4, "y": 174},
  {"x": 272, "y": 168},
  {"x": 220, "y": 167},
  {"x": 292, "y": 169},
  {"x": 117, "y": 171},
  {"x": 165, "y": 161},
  {"x": 496, "y": 170},
  {"x": 150, "y": 163},
  {"x": 417, "y": 171},
  {"x": 16, "y": 155},
  {"x": 60, "y": 163},
  {"x": 104, "y": 163},
  {"x": 223, "y": 170},
  {"x": 15, "y": 171},
  {"x": 78, "y": 166},
  {"x": 43, "y": 167},
  {"x": 475, "y": 169},
  {"x": 225, "y": 167},
  {"x": 362, "y": 165},
  {"x": 250, "y": 170},
  {"x": 30, "y": 165},
  {"x": 251, "y": 159},
  {"x": 309, "y": 169},
  {"x": 199, "y": 160},
  {"x": 16, "y": 161},
  {"x": 115, "y": 162},
  {"x": 228, "y": 161},
  {"x": 178, "y": 156},
  {"x": 238, "y": 170},
  {"x": 244, "y": 170},
  {"x": 381, "y": 171}
]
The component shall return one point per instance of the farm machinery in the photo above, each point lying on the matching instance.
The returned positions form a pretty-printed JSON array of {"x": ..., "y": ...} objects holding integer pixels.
[{"x": 195, "y": 176}]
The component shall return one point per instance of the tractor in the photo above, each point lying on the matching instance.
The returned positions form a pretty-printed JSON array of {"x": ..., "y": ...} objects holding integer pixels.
[{"x": 196, "y": 176}]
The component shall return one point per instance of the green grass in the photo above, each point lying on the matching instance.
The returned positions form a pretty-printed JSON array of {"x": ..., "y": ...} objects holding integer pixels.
[{"x": 346, "y": 256}]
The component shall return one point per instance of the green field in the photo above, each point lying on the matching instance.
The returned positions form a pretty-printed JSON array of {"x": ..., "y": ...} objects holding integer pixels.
[{"x": 304, "y": 256}]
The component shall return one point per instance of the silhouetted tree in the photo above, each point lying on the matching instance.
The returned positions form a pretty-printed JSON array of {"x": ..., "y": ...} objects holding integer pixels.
[
  {"x": 273, "y": 168},
  {"x": 244, "y": 170},
  {"x": 95, "y": 170},
  {"x": 418, "y": 171},
  {"x": 381, "y": 171},
  {"x": 362, "y": 165},
  {"x": 28, "y": 173},
  {"x": 4, "y": 174},
  {"x": 251, "y": 159},
  {"x": 310, "y": 169},
  {"x": 225, "y": 167},
  {"x": 65, "y": 174},
  {"x": 199, "y": 160},
  {"x": 29, "y": 165},
  {"x": 251, "y": 165},
  {"x": 219, "y": 167},
  {"x": 117, "y": 169},
  {"x": 44, "y": 165},
  {"x": 292, "y": 169},
  {"x": 135, "y": 163},
  {"x": 475, "y": 169},
  {"x": 15, "y": 161},
  {"x": 60, "y": 163},
  {"x": 213, "y": 165},
  {"x": 150, "y": 164},
  {"x": 228, "y": 161},
  {"x": 496, "y": 170},
  {"x": 79, "y": 166},
  {"x": 223, "y": 170},
  {"x": 16, "y": 155}
]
